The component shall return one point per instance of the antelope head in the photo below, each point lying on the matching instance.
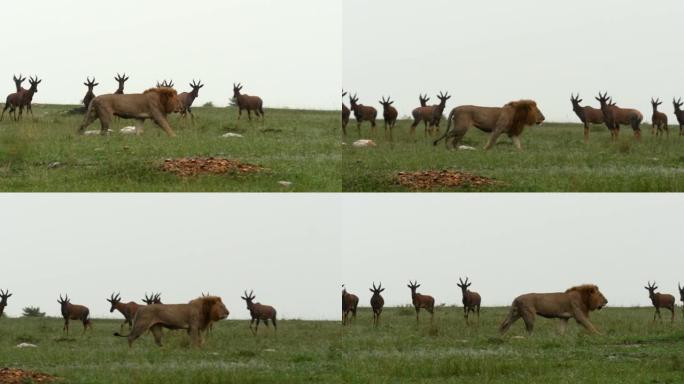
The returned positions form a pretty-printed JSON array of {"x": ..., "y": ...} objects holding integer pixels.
[
  {"x": 423, "y": 100},
  {"x": 651, "y": 288},
  {"x": 443, "y": 98},
  {"x": 376, "y": 290},
  {"x": 34, "y": 81},
  {"x": 413, "y": 286},
  {"x": 249, "y": 298},
  {"x": 463, "y": 284},
  {"x": 386, "y": 103},
  {"x": 575, "y": 100},
  {"x": 655, "y": 104},
  {"x": 196, "y": 87},
  {"x": 18, "y": 80},
  {"x": 677, "y": 104},
  {"x": 681, "y": 292},
  {"x": 4, "y": 295},
  {"x": 353, "y": 100},
  {"x": 64, "y": 301},
  {"x": 114, "y": 300},
  {"x": 236, "y": 89},
  {"x": 604, "y": 99},
  {"x": 90, "y": 84}
]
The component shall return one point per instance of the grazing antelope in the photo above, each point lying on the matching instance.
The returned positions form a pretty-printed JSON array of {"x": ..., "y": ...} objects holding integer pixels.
[
  {"x": 421, "y": 301},
  {"x": 4, "y": 295},
  {"x": 345, "y": 114},
  {"x": 90, "y": 95},
  {"x": 74, "y": 312},
  {"x": 362, "y": 113},
  {"x": 679, "y": 114},
  {"x": 250, "y": 103},
  {"x": 187, "y": 98},
  {"x": 259, "y": 312},
  {"x": 21, "y": 99},
  {"x": 659, "y": 300},
  {"x": 128, "y": 310},
  {"x": 349, "y": 304},
  {"x": 121, "y": 80},
  {"x": 658, "y": 119},
  {"x": 587, "y": 115},
  {"x": 18, "y": 81},
  {"x": 377, "y": 302},
  {"x": 389, "y": 113},
  {"x": 471, "y": 300},
  {"x": 614, "y": 116},
  {"x": 681, "y": 297},
  {"x": 154, "y": 298}
]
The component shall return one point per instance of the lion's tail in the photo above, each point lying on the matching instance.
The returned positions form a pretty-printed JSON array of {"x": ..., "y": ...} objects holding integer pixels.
[
  {"x": 120, "y": 335},
  {"x": 513, "y": 315},
  {"x": 449, "y": 120}
]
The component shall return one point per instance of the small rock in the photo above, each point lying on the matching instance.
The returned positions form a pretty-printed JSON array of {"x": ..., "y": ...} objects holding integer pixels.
[
  {"x": 92, "y": 132},
  {"x": 26, "y": 345},
  {"x": 518, "y": 337},
  {"x": 363, "y": 143},
  {"x": 54, "y": 164},
  {"x": 231, "y": 134},
  {"x": 130, "y": 130},
  {"x": 269, "y": 350},
  {"x": 285, "y": 183},
  {"x": 467, "y": 147}
]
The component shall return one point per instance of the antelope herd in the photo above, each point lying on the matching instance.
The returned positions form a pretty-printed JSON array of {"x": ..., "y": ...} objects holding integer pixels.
[
  {"x": 488, "y": 120},
  {"x": 125, "y": 105}
]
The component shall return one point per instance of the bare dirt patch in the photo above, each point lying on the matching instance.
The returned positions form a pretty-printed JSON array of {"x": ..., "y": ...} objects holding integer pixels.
[
  {"x": 16, "y": 375},
  {"x": 426, "y": 180},
  {"x": 193, "y": 166}
]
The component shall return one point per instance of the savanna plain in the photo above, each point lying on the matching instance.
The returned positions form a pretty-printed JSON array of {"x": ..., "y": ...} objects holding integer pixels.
[{"x": 632, "y": 349}]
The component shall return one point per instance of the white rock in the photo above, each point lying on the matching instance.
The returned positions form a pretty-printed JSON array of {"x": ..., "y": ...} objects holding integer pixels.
[
  {"x": 54, "y": 164},
  {"x": 468, "y": 147},
  {"x": 92, "y": 132},
  {"x": 26, "y": 345},
  {"x": 231, "y": 134},
  {"x": 363, "y": 143},
  {"x": 128, "y": 130},
  {"x": 285, "y": 183}
]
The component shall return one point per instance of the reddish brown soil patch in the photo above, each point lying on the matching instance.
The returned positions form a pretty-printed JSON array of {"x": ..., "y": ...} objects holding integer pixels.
[
  {"x": 425, "y": 180},
  {"x": 16, "y": 375},
  {"x": 193, "y": 166}
]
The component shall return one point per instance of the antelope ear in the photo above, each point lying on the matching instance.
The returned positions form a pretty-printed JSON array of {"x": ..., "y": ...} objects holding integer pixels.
[
  {"x": 382, "y": 289},
  {"x": 371, "y": 290}
]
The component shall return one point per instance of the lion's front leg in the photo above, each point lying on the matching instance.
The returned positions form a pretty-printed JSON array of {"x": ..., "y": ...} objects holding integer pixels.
[
  {"x": 516, "y": 142},
  {"x": 493, "y": 139}
]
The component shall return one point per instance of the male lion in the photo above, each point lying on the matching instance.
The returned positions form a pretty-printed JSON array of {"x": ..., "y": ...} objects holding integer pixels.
[
  {"x": 155, "y": 104},
  {"x": 511, "y": 119},
  {"x": 194, "y": 317},
  {"x": 576, "y": 303}
]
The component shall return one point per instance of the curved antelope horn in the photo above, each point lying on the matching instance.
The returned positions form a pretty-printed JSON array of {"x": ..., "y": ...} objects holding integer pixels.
[{"x": 251, "y": 294}]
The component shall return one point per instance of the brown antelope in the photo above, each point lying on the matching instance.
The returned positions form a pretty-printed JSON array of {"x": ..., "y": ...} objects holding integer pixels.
[
  {"x": 471, "y": 300},
  {"x": 4, "y": 295},
  {"x": 90, "y": 95},
  {"x": 430, "y": 115},
  {"x": 349, "y": 304},
  {"x": 121, "y": 80},
  {"x": 377, "y": 302},
  {"x": 74, "y": 312},
  {"x": 614, "y": 116},
  {"x": 423, "y": 100},
  {"x": 658, "y": 119},
  {"x": 187, "y": 98},
  {"x": 681, "y": 297},
  {"x": 389, "y": 113},
  {"x": 259, "y": 312},
  {"x": 587, "y": 115},
  {"x": 250, "y": 103},
  {"x": 362, "y": 113},
  {"x": 128, "y": 310},
  {"x": 345, "y": 114},
  {"x": 421, "y": 301},
  {"x": 22, "y": 98},
  {"x": 439, "y": 109},
  {"x": 679, "y": 114},
  {"x": 660, "y": 300},
  {"x": 154, "y": 298},
  {"x": 18, "y": 81}
]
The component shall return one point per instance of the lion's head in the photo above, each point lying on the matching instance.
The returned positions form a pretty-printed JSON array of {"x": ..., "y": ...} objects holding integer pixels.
[
  {"x": 168, "y": 98},
  {"x": 212, "y": 309},
  {"x": 525, "y": 112},
  {"x": 591, "y": 296}
]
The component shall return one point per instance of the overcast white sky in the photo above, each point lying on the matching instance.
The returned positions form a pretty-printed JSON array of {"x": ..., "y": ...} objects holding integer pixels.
[
  {"x": 491, "y": 52},
  {"x": 509, "y": 244},
  {"x": 89, "y": 246},
  {"x": 287, "y": 52}
]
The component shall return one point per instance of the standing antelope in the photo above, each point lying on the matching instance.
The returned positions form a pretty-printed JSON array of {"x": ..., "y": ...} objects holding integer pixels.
[
  {"x": 659, "y": 300},
  {"x": 154, "y": 298},
  {"x": 430, "y": 115},
  {"x": 377, "y": 302},
  {"x": 587, "y": 115},
  {"x": 389, "y": 113},
  {"x": 259, "y": 312},
  {"x": 345, "y": 114},
  {"x": 18, "y": 81},
  {"x": 121, "y": 80},
  {"x": 22, "y": 98},
  {"x": 250, "y": 103},
  {"x": 658, "y": 119},
  {"x": 471, "y": 300},
  {"x": 187, "y": 98},
  {"x": 362, "y": 113},
  {"x": 421, "y": 301},
  {"x": 165, "y": 84},
  {"x": 74, "y": 312},
  {"x": 438, "y": 109},
  {"x": 679, "y": 114},
  {"x": 128, "y": 310},
  {"x": 90, "y": 95},
  {"x": 349, "y": 304},
  {"x": 4, "y": 295},
  {"x": 681, "y": 297},
  {"x": 614, "y": 116}
]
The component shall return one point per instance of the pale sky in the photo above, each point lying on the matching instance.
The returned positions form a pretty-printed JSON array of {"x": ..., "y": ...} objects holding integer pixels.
[
  {"x": 287, "y": 52},
  {"x": 491, "y": 52},
  {"x": 510, "y": 244},
  {"x": 89, "y": 246}
]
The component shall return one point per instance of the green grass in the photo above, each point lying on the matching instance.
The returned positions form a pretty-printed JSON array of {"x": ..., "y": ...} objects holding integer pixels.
[
  {"x": 554, "y": 159},
  {"x": 632, "y": 349},
  {"x": 295, "y": 145}
]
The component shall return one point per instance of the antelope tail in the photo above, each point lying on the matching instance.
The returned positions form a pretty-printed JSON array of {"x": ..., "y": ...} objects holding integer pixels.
[{"x": 449, "y": 120}]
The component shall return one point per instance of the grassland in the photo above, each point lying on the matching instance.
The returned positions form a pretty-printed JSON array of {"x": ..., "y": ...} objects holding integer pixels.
[
  {"x": 554, "y": 159},
  {"x": 298, "y": 146},
  {"x": 632, "y": 349}
]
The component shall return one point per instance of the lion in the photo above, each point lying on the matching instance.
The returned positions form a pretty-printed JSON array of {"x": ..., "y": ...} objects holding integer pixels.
[
  {"x": 195, "y": 317},
  {"x": 575, "y": 302},
  {"x": 155, "y": 104},
  {"x": 511, "y": 119}
]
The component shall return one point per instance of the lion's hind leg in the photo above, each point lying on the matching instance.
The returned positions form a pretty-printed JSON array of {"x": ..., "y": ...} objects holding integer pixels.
[{"x": 157, "y": 333}]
